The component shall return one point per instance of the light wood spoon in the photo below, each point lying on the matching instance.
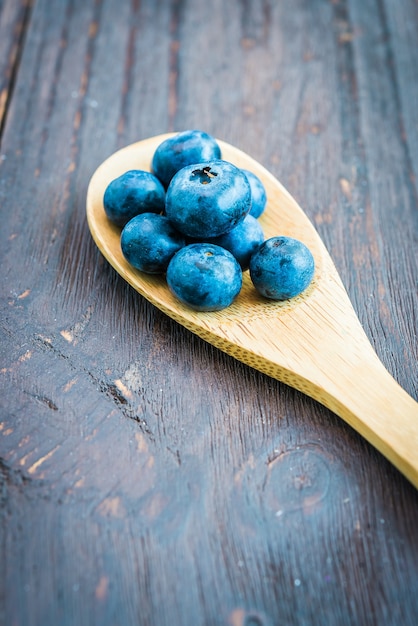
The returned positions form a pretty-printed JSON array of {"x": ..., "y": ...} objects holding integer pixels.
[{"x": 314, "y": 342}]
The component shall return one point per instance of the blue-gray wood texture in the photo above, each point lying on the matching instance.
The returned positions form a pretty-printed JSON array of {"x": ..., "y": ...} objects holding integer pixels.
[{"x": 145, "y": 477}]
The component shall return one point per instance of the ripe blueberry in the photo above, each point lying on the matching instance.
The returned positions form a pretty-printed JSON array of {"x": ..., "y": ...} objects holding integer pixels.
[
  {"x": 243, "y": 240},
  {"x": 132, "y": 193},
  {"x": 185, "y": 148},
  {"x": 208, "y": 199},
  {"x": 204, "y": 276},
  {"x": 281, "y": 268},
  {"x": 148, "y": 241},
  {"x": 258, "y": 194}
]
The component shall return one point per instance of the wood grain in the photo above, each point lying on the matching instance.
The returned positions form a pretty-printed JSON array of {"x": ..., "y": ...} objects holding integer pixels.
[{"x": 146, "y": 477}]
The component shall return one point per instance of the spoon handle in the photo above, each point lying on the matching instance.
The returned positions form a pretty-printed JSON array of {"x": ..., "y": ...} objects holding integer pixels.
[
  {"x": 335, "y": 363},
  {"x": 368, "y": 398}
]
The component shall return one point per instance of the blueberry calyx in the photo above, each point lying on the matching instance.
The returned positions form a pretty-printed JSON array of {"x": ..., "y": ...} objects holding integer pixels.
[{"x": 205, "y": 175}]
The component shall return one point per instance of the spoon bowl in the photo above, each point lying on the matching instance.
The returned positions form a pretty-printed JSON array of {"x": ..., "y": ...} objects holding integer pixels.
[{"x": 313, "y": 342}]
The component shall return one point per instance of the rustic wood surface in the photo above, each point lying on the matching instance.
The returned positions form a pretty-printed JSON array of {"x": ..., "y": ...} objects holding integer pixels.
[{"x": 146, "y": 477}]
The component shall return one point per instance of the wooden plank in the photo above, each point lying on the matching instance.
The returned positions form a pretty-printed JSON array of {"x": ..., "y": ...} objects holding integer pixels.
[
  {"x": 13, "y": 19},
  {"x": 400, "y": 30},
  {"x": 391, "y": 190},
  {"x": 144, "y": 476}
]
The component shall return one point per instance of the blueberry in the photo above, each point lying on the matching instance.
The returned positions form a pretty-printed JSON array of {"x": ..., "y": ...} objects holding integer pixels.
[
  {"x": 185, "y": 148},
  {"x": 243, "y": 240},
  {"x": 132, "y": 193},
  {"x": 258, "y": 194},
  {"x": 281, "y": 268},
  {"x": 204, "y": 276},
  {"x": 148, "y": 242},
  {"x": 208, "y": 199}
]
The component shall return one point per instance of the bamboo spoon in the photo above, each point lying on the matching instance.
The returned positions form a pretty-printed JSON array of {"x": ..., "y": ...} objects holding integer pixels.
[{"x": 314, "y": 342}]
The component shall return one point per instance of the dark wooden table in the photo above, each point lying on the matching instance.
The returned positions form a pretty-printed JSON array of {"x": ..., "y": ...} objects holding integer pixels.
[{"x": 145, "y": 477}]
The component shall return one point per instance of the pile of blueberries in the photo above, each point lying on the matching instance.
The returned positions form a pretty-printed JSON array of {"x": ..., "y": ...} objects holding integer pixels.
[{"x": 194, "y": 218}]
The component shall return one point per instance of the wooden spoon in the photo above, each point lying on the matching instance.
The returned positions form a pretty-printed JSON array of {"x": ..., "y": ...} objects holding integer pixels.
[{"x": 314, "y": 342}]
